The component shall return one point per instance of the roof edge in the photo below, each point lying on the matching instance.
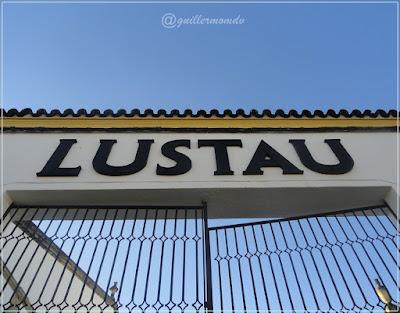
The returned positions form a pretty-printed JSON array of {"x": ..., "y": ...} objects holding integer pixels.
[{"x": 162, "y": 113}]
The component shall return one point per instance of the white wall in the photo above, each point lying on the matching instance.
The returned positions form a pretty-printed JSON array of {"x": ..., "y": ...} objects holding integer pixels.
[
  {"x": 372, "y": 179},
  {"x": 47, "y": 281}
]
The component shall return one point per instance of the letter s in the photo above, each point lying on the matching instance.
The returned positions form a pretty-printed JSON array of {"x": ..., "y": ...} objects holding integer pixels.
[{"x": 183, "y": 163}]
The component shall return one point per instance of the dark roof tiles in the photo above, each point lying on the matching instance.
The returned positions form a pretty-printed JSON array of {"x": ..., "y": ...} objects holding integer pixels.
[{"x": 200, "y": 113}]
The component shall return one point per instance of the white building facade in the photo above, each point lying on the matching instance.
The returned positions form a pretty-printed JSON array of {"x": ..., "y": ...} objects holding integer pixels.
[{"x": 230, "y": 180}]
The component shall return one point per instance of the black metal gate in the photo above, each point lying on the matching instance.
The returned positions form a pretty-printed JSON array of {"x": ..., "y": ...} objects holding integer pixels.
[
  {"x": 127, "y": 259},
  {"x": 167, "y": 259},
  {"x": 321, "y": 263}
]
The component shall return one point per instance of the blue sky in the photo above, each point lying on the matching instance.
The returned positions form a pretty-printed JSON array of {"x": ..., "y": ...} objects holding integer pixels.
[{"x": 290, "y": 56}]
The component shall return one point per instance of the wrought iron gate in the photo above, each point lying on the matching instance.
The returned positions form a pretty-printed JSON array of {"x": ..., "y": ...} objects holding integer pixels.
[
  {"x": 167, "y": 259},
  {"x": 128, "y": 259},
  {"x": 321, "y": 263}
]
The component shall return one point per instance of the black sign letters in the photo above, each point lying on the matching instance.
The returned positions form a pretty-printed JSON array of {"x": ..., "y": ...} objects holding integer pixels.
[{"x": 264, "y": 156}]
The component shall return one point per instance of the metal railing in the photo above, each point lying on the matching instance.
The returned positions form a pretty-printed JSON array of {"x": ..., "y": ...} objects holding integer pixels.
[
  {"x": 167, "y": 259},
  {"x": 323, "y": 263},
  {"x": 128, "y": 259}
]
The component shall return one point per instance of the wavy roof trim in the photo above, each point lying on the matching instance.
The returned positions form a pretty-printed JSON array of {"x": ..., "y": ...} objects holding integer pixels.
[{"x": 200, "y": 113}]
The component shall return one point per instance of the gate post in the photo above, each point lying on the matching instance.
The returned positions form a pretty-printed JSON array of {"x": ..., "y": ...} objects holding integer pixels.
[{"x": 209, "y": 300}]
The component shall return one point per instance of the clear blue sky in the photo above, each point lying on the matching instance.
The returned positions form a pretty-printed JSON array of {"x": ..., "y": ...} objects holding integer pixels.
[{"x": 290, "y": 56}]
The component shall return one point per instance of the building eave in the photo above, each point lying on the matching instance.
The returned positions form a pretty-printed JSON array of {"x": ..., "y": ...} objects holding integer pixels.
[{"x": 174, "y": 120}]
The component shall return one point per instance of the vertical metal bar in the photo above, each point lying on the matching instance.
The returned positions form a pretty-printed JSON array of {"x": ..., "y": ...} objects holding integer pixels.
[
  {"x": 55, "y": 236},
  {"x": 285, "y": 280},
  {"x": 306, "y": 270},
  {"x": 368, "y": 219},
  {"x": 292, "y": 265},
  {"x": 29, "y": 265},
  {"x": 56, "y": 258},
  {"x": 238, "y": 257},
  {"x": 229, "y": 267},
  {"x": 385, "y": 215},
  {"x": 93, "y": 256},
  {"x": 139, "y": 257},
  {"x": 75, "y": 240},
  {"x": 79, "y": 237},
  {"x": 348, "y": 262},
  {"x": 152, "y": 239},
  {"x": 388, "y": 237},
  {"x": 272, "y": 267},
  {"x": 44, "y": 257},
  {"x": 9, "y": 219},
  {"x": 6, "y": 216},
  {"x": 197, "y": 279},
  {"x": 209, "y": 301},
  {"x": 183, "y": 303},
  {"x": 248, "y": 257},
  {"x": 337, "y": 263},
  {"x": 316, "y": 238},
  {"x": 373, "y": 246},
  {"x": 218, "y": 259},
  {"x": 15, "y": 246},
  {"x": 317, "y": 268},
  {"x": 162, "y": 258},
  {"x": 130, "y": 238},
  {"x": 101, "y": 237},
  {"x": 171, "y": 286},
  {"x": 28, "y": 244},
  {"x": 115, "y": 304}
]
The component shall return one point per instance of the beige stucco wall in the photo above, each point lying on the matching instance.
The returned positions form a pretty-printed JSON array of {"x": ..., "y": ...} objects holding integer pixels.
[{"x": 372, "y": 180}]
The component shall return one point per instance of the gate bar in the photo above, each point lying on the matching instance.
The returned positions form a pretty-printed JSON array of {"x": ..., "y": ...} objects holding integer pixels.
[
  {"x": 209, "y": 301},
  {"x": 286, "y": 219}
]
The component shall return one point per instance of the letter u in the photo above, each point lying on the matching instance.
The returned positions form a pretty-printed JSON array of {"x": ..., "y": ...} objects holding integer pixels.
[
  {"x": 103, "y": 152},
  {"x": 345, "y": 164}
]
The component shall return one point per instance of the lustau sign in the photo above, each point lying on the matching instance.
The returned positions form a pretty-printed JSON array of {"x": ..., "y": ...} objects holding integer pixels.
[{"x": 264, "y": 156}]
